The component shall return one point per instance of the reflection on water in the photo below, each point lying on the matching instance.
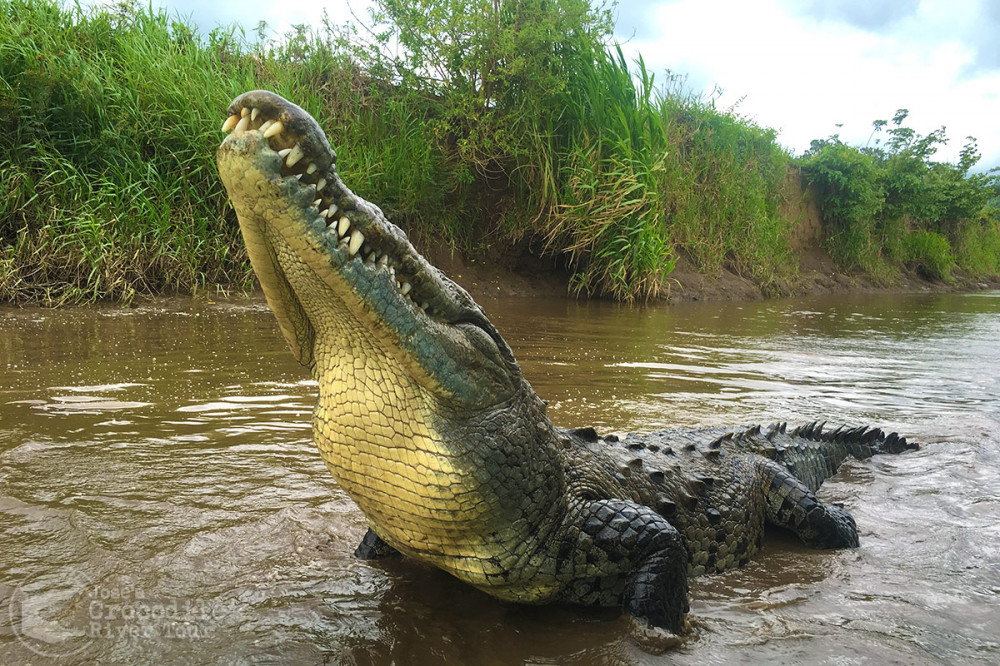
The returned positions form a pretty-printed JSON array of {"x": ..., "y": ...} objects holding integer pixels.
[{"x": 161, "y": 500}]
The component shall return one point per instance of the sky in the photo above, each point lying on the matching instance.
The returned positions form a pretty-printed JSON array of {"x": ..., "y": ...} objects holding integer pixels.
[{"x": 802, "y": 67}]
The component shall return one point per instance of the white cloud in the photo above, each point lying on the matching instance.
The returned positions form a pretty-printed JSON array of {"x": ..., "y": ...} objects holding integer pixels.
[{"x": 804, "y": 74}]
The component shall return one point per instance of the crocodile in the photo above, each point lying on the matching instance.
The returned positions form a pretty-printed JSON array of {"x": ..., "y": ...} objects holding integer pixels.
[{"x": 425, "y": 419}]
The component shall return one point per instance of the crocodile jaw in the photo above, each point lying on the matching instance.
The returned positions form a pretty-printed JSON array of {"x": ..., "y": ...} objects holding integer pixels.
[{"x": 324, "y": 257}]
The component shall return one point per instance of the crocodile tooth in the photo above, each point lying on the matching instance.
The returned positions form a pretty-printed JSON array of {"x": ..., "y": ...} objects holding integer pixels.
[
  {"x": 243, "y": 124},
  {"x": 357, "y": 239},
  {"x": 332, "y": 209},
  {"x": 294, "y": 156},
  {"x": 342, "y": 226},
  {"x": 284, "y": 153},
  {"x": 276, "y": 128},
  {"x": 370, "y": 259},
  {"x": 383, "y": 261},
  {"x": 311, "y": 169},
  {"x": 405, "y": 288},
  {"x": 264, "y": 126},
  {"x": 230, "y": 122},
  {"x": 321, "y": 183},
  {"x": 325, "y": 213},
  {"x": 317, "y": 202},
  {"x": 254, "y": 113},
  {"x": 245, "y": 111}
]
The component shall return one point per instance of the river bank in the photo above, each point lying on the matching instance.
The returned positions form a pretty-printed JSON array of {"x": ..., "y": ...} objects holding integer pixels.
[
  {"x": 525, "y": 271},
  {"x": 531, "y": 276},
  {"x": 111, "y": 192}
]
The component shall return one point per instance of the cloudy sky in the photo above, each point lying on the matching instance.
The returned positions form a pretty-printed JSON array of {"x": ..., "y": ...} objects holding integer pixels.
[{"x": 799, "y": 66}]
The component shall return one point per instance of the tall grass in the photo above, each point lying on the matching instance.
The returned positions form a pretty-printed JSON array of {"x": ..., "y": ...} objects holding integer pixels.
[
  {"x": 725, "y": 186},
  {"x": 605, "y": 163},
  {"x": 638, "y": 174},
  {"x": 109, "y": 186}
]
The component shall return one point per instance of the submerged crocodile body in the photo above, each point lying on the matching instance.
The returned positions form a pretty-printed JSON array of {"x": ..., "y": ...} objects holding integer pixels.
[{"x": 426, "y": 421}]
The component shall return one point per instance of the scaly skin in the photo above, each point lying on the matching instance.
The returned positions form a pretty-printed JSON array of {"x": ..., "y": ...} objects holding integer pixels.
[{"x": 425, "y": 420}]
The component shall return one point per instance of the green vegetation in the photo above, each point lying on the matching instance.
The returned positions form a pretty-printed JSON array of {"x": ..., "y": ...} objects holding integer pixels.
[
  {"x": 109, "y": 187},
  {"x": 892, "y": 205},
  {"x": 490, "y": 126}
]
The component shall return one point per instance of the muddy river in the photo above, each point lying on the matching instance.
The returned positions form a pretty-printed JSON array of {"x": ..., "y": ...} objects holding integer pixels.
[{"x": 161, "y": 500}]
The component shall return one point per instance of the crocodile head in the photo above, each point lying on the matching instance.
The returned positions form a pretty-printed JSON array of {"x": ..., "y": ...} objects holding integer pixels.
[
  {"x": 423, "y": 416},
  {"x": 332, "y": 267}
]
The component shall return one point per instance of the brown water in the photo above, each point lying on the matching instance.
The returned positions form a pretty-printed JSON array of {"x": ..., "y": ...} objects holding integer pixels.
[{"x": 161, "y": 501}]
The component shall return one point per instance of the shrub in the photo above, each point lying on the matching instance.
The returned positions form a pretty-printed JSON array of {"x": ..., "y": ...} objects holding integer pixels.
[
  {"x": 870, "y": 196},
  {"x": 929, "y": 253}
]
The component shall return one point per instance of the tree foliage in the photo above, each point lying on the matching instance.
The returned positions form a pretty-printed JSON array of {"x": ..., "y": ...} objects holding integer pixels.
[{"x": 891, "y": 202}]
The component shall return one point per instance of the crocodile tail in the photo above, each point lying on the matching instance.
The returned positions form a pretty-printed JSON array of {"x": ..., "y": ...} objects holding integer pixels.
[
  {"x": 862, "y": 442},
  {"x": 811, "y": 453}
]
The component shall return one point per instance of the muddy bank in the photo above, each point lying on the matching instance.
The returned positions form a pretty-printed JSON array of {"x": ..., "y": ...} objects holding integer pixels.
[
  {"x": 490, "y": 277},
  {"x": 818, "y": 275}
]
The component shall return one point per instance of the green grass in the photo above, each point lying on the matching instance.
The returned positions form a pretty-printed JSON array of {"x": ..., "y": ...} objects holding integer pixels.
[
  {"x": 930, "y": 254},
  {"x": 110, "y": 188},
  {"x": 977, "y": 246},
  {"x": 635, "y": 175}
]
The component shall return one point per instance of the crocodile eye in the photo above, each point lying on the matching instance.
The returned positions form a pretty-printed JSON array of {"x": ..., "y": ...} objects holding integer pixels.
[{"x": 491, "y": 333}]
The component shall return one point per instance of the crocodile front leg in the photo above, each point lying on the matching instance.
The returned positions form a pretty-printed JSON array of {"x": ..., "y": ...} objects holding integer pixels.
[
  {"x": 373, "y": 547},
  {"x": 623, "y": 553}
]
